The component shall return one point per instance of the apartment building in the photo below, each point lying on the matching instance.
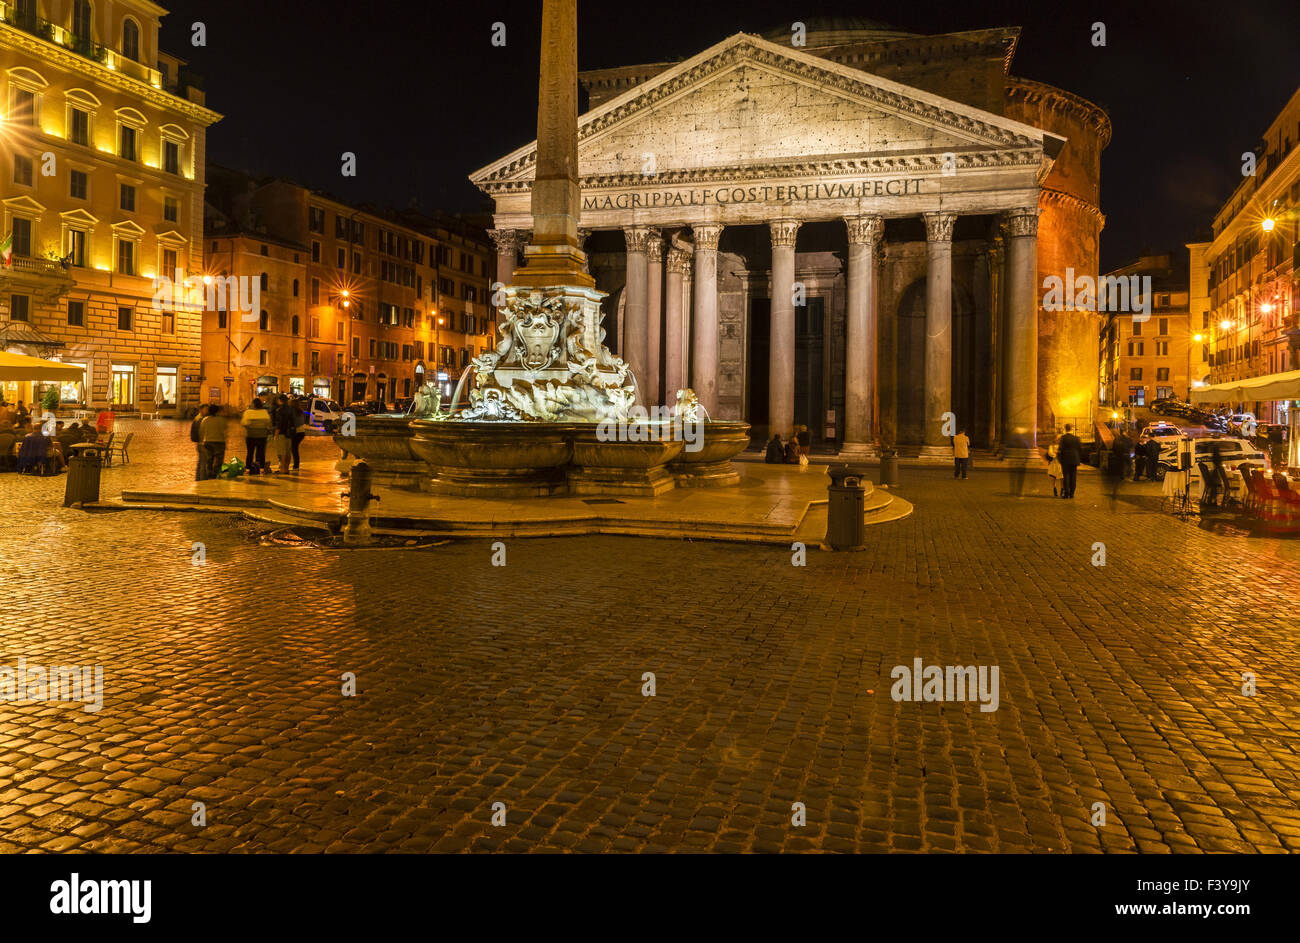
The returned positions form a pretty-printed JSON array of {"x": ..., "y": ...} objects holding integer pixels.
[
  {"x": 102, "y": 173},
  {"x": 1251, "y": 265},
  {"x": 1148, "y": 355},
  {"x": 364, "y": 304}
]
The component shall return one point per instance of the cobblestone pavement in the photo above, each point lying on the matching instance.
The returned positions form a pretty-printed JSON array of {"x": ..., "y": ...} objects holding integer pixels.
[{"x": 523, "y": 685}]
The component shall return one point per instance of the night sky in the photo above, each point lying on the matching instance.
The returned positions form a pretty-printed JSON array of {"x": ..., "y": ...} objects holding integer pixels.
[{"x": 417, "y": 91}]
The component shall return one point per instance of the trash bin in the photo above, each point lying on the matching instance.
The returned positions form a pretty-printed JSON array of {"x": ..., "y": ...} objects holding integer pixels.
[
  {"x": 845, "y": 528},
  {"x": 83, "y": 477},
  {"x": 889, "y": 468}
]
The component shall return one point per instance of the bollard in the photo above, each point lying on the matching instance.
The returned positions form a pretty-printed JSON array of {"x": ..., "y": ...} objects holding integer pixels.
[
  {"x": 889, "y": 468},
  {"x": 845, "y": 509},
  {"x": 357, "y": 531}
]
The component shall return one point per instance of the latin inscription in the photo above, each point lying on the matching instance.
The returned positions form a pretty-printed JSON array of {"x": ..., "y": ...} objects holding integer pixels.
[{"x": 721, "y": 196}]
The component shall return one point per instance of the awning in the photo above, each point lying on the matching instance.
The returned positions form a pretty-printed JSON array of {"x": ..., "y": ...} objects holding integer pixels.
[
  {"x": 20, "y": 332},
  {"x": 1255, "y": 389},
  {"x": 22, "y": 367}
]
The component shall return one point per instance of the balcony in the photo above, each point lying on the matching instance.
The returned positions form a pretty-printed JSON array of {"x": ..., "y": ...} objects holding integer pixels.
[
  {"x": 81, "y": 45},
  {"x": 46, "y": 279}
]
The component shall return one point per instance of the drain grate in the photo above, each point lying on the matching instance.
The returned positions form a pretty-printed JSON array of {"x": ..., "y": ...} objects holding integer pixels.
[{"x": 601, "y": 501}]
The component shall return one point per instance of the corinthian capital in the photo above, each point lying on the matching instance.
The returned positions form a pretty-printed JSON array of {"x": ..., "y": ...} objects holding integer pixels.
[
  {"x": 706, "y": 235},
  {"x": 784, "y": 231},
  {"x": 1022, "y": 221},
  {"x": 506, "y": 240},
  {"x": 864, "y": 230},
  {"x": 678, "y": 261},
  {"x": 938, "y": 226},
  {"x": 637, "y": 238},
  {"x": 655, "y": 247}
]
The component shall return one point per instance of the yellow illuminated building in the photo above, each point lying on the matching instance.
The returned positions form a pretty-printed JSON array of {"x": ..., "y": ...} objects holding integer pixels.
[
  {"x": 101, "y": 184},
  {"x": 1254, "y": 297},
  {"x": 358, "y": 304}
]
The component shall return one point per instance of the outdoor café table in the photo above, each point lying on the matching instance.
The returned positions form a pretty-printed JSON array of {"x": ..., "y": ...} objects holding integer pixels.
[{"x": 1175, "y": 486}]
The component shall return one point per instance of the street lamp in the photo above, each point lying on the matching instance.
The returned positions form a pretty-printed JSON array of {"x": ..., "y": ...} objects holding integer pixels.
[
  {"x": 1225, "y": 324},
  {"x": 1268, "y": 224}
]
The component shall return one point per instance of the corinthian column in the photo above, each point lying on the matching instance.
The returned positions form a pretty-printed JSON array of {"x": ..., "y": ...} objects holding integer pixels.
[
  {"x": 674, "y": 368},
  {"x": 655, "y": 313},
  {"x": 860, "y": 358},
  {"x": 635, "y": 309},
  {"x": 780, "y": 395},
  {"x": 704, "y": 380},
  {"x": 938, "y": 333},
  {"x": 1020, "y": 389},
  {"x": 507, "y": 242}
]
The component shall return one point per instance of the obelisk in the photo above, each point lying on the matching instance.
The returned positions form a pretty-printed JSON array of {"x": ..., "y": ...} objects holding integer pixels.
[{"x": 554, "y": 256}]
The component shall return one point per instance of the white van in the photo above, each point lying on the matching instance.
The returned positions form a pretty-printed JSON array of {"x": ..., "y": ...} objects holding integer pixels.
[{"x": 321, "y": 414}]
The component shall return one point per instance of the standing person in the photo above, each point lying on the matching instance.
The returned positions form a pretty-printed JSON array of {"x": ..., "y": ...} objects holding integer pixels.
[
  {"x": 212, "y": 432},
  {"x": 1275, "y": 445},
  {"x": 1122, "y": 454},
  {"x": 284, "y": 430},
  {"x": 1069, "y": 452},
  {"x": 1140, "y": 460},
  {"x": 960, "y": 453},
  {"x": 257, "y": 426},
  {"x": 804, "y": 438},
  {"x": 775, "y": 454},
  {"x": 1153, "y": 458},
  {"x": 1054, "y": 471},
  {"x": 200, "y": 456},
  {"x": 299, "y": 431}
]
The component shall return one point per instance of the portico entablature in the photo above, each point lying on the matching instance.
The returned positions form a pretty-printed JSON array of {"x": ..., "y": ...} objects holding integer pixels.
[{"x": 749, "y": 131}]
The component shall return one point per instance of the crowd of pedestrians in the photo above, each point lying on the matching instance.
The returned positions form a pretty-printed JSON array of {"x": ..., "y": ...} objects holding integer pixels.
[{"x": 282, "y": 425}]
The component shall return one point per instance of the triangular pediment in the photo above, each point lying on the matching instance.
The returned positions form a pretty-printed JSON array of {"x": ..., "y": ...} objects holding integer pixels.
[{"x": 751, "y": 106}]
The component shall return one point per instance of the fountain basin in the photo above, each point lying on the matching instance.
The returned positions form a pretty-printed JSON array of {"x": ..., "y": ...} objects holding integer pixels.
[
  {"x": 493, "y": 459},
  {"x": 710, "y": 465},
  {"x": 622, "y": 467},
  {"x": 384, "y": 442}
]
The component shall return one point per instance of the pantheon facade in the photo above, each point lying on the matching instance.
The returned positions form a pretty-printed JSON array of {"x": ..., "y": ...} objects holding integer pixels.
[{"x": 849, "y": 233}]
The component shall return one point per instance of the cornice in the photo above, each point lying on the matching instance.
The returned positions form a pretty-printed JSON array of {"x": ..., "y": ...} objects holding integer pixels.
[
  {"x": 807, "y": 68},
  {"x": 1069, "y": 201},
  {"x": 1033, "y": 92},
  {"x": 56, "y": 55},
  {"x": 845, "y": 167}
]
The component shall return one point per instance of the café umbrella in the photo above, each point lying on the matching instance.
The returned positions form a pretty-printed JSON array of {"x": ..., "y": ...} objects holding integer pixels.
[
  {"x": 21, "y": 367},
  {"x": 1272, "y": 386}
]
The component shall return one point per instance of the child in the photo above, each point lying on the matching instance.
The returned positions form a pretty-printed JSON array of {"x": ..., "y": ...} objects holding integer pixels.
[{"x": 1054, "y": 470}]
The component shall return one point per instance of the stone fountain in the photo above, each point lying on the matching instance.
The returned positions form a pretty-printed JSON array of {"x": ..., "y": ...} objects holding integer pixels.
[{"x": 550, "y": 410}]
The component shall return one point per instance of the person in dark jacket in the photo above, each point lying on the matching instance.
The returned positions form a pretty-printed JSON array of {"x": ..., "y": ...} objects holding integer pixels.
[
  {"x": 1153, "y": 458},
  {"x": 775, "y": 452},
  {"x": 282, "y": 419},
  {"x": 1069, "y": 452}
]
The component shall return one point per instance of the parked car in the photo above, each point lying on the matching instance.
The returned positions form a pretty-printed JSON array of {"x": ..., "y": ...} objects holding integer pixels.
[
  {"x": 366, "y": 408},
  {"x": 1242, "y": 424},
  {"x": 1169, "y": 406},
  {"x": 402, "y": 404},
  {"x": 1234, "y": 451},
  {"x": 321, "y": 413}
]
